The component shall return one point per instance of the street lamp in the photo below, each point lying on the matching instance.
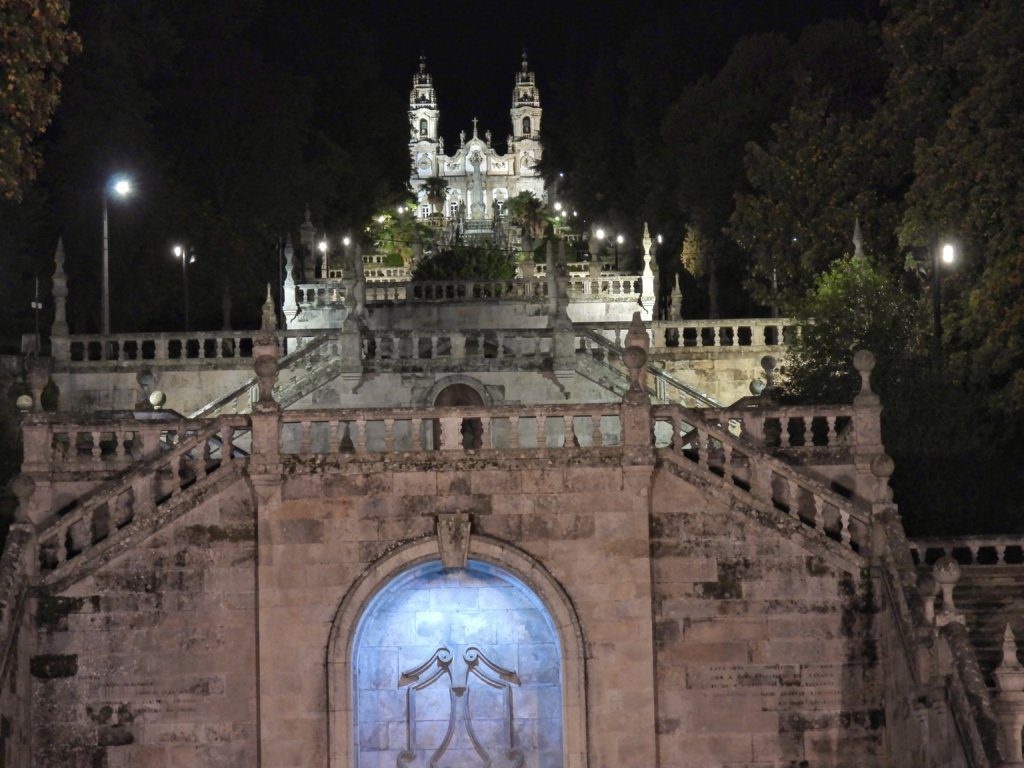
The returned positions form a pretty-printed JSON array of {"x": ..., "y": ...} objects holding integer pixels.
[
  {"x": 947, "y": 254},
  {"x": 322, "y": 246},
  {"x": 187, "y": 257},
  {"x": 619, "y": 240},
  {"x": 122, "y": 187}
]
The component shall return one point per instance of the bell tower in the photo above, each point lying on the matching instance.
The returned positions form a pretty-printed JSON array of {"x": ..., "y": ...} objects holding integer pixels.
[
  {"x": 526, "y": 109},
  {"x": 423, "y": 118}
]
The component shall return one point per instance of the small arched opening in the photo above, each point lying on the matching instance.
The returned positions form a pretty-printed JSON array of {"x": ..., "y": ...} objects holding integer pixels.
[
  {"x": 527, "y": 125},
  {"x": 461, "y": 394}
]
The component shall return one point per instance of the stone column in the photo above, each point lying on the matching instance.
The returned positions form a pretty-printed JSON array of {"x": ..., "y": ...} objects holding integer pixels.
[
  {"x": 1009, "y": 700},
  {"x": 867, "y": 428},
  {"x": 648, "y": 296},
  {"x": 59, "y": 342},
  {"x": 636, "y": 403},
  {"x": 290, "y": 308},
  {"x": 266, "y": 427}
]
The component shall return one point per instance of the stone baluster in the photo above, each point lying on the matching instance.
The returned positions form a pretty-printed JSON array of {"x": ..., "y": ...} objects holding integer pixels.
[
  {"x": 458, "y": 342},
  {"x": 306, "y": 428},
  {"x": 784, "y": 430},
  {"x": 727, "y": 462},
  {"x": 202, "y": 458},
  {"x": 389, "y": 434},
  {"x": 485, "y": 431},
  {"x": 334, "y": 436},
  {"x": 175, "y": 465},
  {"x": 513, "y": 432},
  {"x": 831, "y": 436},
  {"x": 595, "y": 433},
  {"x": 360, "y": 441},
  {"x": 542, "y": 435},
  {"x": 1000, "y": 554},
  {"x": 416, "y": 433},
  {"x": 793, "y": 497}
]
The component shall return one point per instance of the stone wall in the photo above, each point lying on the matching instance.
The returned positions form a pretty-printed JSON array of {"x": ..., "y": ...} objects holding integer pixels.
[
  {"x": 765, "y": 649},
  {"x": 151, "y": 660}
]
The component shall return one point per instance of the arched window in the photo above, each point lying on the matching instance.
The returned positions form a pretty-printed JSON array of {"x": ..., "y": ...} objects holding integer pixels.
[
  {"x": 462, "y": 665},
  {"x": 423, "y": 127},
  {"x": 526, "y": 126}
]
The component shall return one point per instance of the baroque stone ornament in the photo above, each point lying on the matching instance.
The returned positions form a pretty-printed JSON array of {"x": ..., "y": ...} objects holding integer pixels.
[
  {"x": 443, "y": 664},
  {"x": 453, "y": 532}
]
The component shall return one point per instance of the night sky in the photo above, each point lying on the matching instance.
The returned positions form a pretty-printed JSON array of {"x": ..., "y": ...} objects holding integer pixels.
[{"x": 473, "y": 49}]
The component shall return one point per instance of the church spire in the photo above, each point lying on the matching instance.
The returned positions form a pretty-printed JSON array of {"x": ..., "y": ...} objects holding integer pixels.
[{"x": 526, "y": 111}]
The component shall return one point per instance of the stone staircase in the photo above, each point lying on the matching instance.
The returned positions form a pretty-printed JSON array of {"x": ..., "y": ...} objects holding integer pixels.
[
  {"x": 599, "y": 360},
  {"x": 301, "y": 372},
  {"x": 116, "y": 515}
]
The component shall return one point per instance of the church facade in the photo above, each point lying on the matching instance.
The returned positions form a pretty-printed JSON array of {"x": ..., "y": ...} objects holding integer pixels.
[{"x": 479, "y": 179}]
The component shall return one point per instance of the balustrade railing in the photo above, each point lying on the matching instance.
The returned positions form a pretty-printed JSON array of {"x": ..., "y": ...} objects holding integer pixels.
[
  {"x": 970, "y": 550},
  {"x": 584, "y": 287},
  {"x": 321, "y": 294},
  {"x": 198, "y": 450},
  {"x": 684, "y": 436},
  {"x": 454, "y": 429},
  {"x": 390, "y": 346},
  {"x": 172, "y": 349},
  {"x": 752, "y": 334},
  {"x": 789, "y": 426}
]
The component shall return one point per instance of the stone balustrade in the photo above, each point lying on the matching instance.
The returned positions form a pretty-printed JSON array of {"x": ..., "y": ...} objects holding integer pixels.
[
  {"x": 605, "y": 286},
  {"x": 970, "y": 550},
  {"x": 452, "y": 430},
  {"x": 321, "y": 294},
  {"x": 682, "y": 435},
  {"x": 396, "y": 346},
  {"x": 768, "y": 334},
  {"x": 789, "y": 426},
  {"x": 166, "y": 349},
  {"x": 201, "y": 449}
]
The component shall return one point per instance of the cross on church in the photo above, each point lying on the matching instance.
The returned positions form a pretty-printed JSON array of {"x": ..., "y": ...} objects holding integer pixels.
[{"x": 474, "y": 128}]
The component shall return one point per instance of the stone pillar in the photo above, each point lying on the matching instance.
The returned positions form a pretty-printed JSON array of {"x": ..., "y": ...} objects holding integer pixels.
[
  {"x": 59, "y": 343},
  {"x": 266, "y": 426},
  {"x": 1009, "y": 700},
  {"x": 867, "y": 427},
  {"x": 648, "y": 297},
  {"x": 290, "y": 308},
  {"x": 636, "y": 403}
]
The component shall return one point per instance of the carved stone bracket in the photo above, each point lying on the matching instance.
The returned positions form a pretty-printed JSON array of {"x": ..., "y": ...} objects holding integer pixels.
[{"x": 453, "y": 531}]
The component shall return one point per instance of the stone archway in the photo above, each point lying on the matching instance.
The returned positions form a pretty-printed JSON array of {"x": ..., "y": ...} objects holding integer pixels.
[
  {"x": 462, "y": 392},
  {"x": 493, "y": 560}
]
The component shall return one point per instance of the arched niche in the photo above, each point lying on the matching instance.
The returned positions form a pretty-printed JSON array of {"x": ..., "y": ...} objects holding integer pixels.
[{"x": 386, "y": 584}]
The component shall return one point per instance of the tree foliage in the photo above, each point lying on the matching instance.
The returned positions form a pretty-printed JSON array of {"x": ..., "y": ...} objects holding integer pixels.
[
  {"x": 35, "y": 46},
  {"x": 852, "y": 306},
  {"x": 465, "y": 262}
]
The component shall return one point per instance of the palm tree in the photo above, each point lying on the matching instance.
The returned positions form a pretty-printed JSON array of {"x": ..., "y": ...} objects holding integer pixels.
[
  {"x": 528, "y": 212},
  {"x": 436, "y": 190}
]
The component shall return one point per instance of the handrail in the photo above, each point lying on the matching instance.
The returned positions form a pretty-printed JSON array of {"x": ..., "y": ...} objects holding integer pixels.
[
  {"x": 767, "y": 478},
  {"x": 288, "y": 360},
  {"x": 657, "y": 373},
  {"x": 100, "y": 513}
]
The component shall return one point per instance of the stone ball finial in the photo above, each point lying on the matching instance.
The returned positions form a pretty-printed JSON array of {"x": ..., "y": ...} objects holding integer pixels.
[
  {"x": 756, "y": 387},
  {"x": 157, "y": 400},
  {"x": 882, "y": 466},
  {"x": 768, "y": 363},
  {"x": 24, "y": 403},
  {"x": 946, "y": 570},
  {"x": 864, "y": 361}
]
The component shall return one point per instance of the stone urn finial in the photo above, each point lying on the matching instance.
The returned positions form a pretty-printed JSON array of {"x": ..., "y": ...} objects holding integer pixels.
[
  {"x": 864, "y": 362},
  {"x": 22, "y": 486},
  {"x": 634, "y": 357},
  {"x": 1010, "y": 659},
  {"x": 947, "y": 572},
  {"x": 38, "y": 377}
]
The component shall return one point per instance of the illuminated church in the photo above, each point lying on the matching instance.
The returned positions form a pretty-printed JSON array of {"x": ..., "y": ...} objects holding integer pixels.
[
  {"x": 480, "y": 179},
  {"x": 538, "y": 522}
]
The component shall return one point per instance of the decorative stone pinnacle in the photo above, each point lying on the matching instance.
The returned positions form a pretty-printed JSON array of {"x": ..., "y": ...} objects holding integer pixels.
[
  {"x": 423, "y": 64},
  {"x": 308, "y": 215},
  {"x": 858, "y": 240},
  {"x": 1010, "y": 659},
  {"x": 474, "y": 128},
  {"x": 269, "y": 319},
  {"x": 648, "y": 243},
  {"x": 947, "y": 572},
  {"x": 60, "y": 292},
  {"x": 634, "y": 357}
]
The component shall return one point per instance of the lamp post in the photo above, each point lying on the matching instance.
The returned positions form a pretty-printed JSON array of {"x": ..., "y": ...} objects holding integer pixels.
[
  {"x": 187, "y": 257},
  {"x": 122, "y": 187},
  {"x": 322, "y": 247},
  {"x": 944, "y": 255}
]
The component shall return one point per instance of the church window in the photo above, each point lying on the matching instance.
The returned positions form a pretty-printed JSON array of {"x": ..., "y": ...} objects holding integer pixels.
[
  {"x": 424, "y": 210},
  {"x": 423, "y": 127},
  {"x": 457, "y": 667},
  {"x": 453, "y": 209},
  {"x": 526, "y": 126}
]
